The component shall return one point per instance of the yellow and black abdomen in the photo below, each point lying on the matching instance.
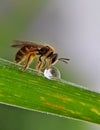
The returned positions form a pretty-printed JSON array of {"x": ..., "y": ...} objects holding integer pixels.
[{"x": 21, "y": 54}]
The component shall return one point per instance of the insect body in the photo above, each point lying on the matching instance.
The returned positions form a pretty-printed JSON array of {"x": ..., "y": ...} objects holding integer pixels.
[{"x": 29, "y": 50}]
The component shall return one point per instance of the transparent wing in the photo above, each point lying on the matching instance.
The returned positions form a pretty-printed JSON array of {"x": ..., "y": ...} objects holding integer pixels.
[{"x": 19, "y": 44}]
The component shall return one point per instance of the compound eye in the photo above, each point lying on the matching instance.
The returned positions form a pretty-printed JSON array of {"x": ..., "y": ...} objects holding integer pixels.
[
  {"x": 43, "y": 51},
  {"x": 54, "y": 58}
]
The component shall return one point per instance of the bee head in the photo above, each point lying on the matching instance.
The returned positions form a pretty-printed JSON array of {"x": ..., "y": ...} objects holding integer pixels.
[{"x": 54, "y": 58}]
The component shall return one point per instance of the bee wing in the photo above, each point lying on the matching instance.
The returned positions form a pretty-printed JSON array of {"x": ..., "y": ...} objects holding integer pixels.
[{"x": 19, "y": 44}]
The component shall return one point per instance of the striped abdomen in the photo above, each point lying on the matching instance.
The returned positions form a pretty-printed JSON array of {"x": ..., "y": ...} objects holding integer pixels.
[{"x": 20, "y": 55}]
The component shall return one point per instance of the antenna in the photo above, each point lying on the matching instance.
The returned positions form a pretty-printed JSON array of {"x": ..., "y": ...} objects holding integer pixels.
[{"x": 65, "y": 60}]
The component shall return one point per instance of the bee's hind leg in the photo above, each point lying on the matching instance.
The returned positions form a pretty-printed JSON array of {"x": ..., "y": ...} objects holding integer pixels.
[{"x": 28, "y": 62}]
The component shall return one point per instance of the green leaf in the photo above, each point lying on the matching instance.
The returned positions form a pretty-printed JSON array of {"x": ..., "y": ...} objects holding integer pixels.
[{"x": 31, "y": 91}]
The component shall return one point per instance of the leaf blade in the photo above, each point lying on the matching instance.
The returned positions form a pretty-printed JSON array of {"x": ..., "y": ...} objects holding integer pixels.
[{"x": 31, "y": 91}]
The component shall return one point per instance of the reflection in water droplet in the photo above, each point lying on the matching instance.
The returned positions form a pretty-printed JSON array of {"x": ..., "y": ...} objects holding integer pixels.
[{"x": 52, "y": 73}]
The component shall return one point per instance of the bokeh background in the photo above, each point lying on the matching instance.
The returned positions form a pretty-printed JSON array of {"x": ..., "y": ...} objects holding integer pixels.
[{"x": 72, "y": 27}]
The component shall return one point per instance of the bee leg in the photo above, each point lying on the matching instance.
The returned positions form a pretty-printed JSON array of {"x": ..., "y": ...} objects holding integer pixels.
[
  {"x": 44, "y": 63},
  {"x": 38, "y": 67},
  {"x": 49, "y": 65},
  {"x": 28, "y": 62}
]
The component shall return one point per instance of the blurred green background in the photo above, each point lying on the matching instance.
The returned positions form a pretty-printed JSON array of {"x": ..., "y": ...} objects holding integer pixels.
[{"x": 35, "y": 20}]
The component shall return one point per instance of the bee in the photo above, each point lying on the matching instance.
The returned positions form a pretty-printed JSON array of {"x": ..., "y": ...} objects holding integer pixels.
[{"x": 28, "y": 51}]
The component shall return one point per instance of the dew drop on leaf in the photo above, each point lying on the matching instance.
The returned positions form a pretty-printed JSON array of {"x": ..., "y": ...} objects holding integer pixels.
[{"x": 52, "y": 73}]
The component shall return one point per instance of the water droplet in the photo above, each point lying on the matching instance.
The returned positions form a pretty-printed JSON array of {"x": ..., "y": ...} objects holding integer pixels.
[{"x": 52, "y": 73}]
